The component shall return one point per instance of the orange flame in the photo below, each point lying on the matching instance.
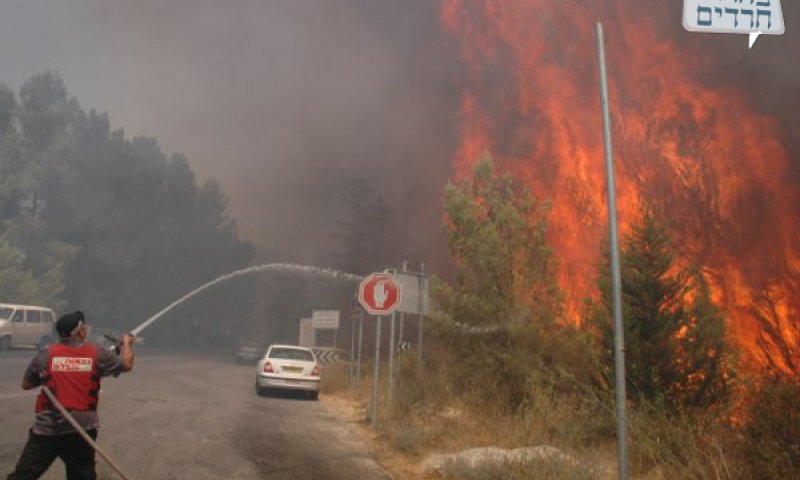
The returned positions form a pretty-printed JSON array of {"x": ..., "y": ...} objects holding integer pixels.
[{"x": 714, "y": 166}]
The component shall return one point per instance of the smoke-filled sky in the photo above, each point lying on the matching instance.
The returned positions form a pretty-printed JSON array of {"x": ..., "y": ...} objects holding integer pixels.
[
  {"x": 279, "y": 100},
  {"x": 283, "y": 100}
]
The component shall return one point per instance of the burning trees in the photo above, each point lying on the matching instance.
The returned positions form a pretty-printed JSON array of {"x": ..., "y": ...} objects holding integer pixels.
[{"x": 675, "y": 346}]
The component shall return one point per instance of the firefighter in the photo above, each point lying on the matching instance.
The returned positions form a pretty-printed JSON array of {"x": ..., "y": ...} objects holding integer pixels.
[{"x": 71, "y": 369}]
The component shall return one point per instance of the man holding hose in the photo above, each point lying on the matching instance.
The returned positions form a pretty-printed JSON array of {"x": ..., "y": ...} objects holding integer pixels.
[{"x": 71, "y": 369}]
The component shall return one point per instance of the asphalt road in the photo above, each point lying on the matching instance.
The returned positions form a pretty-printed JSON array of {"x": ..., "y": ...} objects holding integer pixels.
[{"x": 187, "y": 416}]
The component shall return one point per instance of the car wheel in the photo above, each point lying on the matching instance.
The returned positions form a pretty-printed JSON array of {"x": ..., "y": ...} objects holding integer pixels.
[
  {"x": 5, "y": 342},
  {"x": 313, "y": 395}
]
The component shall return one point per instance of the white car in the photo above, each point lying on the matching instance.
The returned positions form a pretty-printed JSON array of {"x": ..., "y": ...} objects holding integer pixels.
[{"x": 288, "y": 367}]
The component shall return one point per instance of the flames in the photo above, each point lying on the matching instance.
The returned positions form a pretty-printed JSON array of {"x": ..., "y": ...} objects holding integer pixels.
[{"x": 714, "y": 166}]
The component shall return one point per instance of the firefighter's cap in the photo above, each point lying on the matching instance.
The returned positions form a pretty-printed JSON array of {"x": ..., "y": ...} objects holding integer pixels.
[{"x": 68, "y": 324}]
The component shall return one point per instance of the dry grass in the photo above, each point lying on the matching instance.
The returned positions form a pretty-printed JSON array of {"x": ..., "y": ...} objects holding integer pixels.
[{"x": 426, "y": 416}]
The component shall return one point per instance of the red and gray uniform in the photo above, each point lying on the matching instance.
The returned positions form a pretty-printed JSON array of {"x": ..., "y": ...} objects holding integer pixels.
[{"x": 72, "y": 370}]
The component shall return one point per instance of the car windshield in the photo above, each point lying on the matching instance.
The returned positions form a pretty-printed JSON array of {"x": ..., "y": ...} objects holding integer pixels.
[
  {"x": 5, "y": 313},
  {"x": 291, "y": 354}
]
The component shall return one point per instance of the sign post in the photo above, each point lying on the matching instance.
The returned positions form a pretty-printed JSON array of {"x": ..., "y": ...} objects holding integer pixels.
[
  {"x": 373, "y": 415},
  {"x": 325, "y": 319},
  {"x": 360, "y": 344},
  {"x": 379, "y": 294},
  {"x": 306, "y": 333},
  {"x": 391, "y": 356}
]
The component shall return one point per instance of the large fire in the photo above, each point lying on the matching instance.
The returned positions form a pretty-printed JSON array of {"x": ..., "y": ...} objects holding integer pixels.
[{"x": 714, "y": 166}]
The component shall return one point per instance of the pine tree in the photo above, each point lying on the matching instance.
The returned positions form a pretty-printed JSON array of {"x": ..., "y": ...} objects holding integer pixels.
[
  {"x": 370, "y": 238},
  {"x": 496, "y": 232},
  {"x": 674, "y": 334},
  {"x": 505, "y": 281}
]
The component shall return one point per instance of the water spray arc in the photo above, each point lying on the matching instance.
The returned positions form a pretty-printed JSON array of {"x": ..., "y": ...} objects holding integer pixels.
[
  {"x": 285, "y": 267},
  {"x": 281, "y": 267}
]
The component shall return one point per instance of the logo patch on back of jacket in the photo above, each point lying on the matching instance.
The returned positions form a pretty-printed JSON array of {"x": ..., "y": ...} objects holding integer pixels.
[{"x": 72, "y": 364}]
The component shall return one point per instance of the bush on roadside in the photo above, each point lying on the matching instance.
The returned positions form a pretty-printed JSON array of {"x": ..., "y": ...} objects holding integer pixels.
[
  {"x": 334, "y": 378},
  {"x": 687, "y": 445},
  {"x": 500, "y": 370},
  {"x": 772, "y": 433}
]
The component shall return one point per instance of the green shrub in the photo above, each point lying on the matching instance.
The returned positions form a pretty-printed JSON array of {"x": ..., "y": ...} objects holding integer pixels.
[{"x": 772, "y": 433}]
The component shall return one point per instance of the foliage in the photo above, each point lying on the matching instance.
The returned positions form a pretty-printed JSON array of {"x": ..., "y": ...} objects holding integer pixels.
[
  {"x": 16, "y": 282},
  {"x": 772, "y": 432},
  {"x": 505, "y": 283},
  {"x": 370, "y": 238},
  {"x": 675, "y": 346},
  {"x": 111, "y": 225},
  {"x": 496, "y": 232},
  {"x": 686, "y": 445}
]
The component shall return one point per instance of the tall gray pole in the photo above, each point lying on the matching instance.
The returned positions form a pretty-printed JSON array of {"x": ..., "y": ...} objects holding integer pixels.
[
  {"x": 391, "y": 355},
  {"x": 377, "y": 375},
  {"x": 616, "y": 278},
  {"x": 360, "y": 343},
  {"x": 421, "y": 312},
  {"x": 352, "y": 348},
  {"x": 401, "y": 328},
  {"x": 402, "y": 314}
]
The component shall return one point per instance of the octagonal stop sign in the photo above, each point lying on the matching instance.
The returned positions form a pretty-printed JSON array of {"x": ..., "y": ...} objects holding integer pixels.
[{"x": 379, "y": 293}]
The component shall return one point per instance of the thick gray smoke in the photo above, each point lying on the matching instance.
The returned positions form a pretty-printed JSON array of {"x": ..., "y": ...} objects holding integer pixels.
[{"x": 282, "y": 101}]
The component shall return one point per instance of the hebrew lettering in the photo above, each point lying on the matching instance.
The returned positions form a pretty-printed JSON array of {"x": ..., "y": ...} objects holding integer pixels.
[
  {"x": 707, "y": 21},
  {"x": 759, "y": 13},
  {"x": 722, "y": 16},
  {"x": 744, "y": 11},
  {"x": 735, "y": 12}
]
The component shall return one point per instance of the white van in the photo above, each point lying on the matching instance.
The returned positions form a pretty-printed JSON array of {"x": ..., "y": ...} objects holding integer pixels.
[{"x": 25, "y": 325}]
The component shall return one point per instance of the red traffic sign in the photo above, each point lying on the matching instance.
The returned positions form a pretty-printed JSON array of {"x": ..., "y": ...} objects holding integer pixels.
[{"x": 379, "y": 293}]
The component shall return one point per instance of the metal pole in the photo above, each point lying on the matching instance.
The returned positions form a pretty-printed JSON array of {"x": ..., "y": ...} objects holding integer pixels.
[
  {"x": 401, "y": 328},
  {"x": 402, "y": 314},
  {"x": 391, "y": 357},
  {"x": 374, "y": 416},
  {"x": 421, "y": 311},
  {"x": 616, "y": 278},
  {"x": 352, "y": 347},
  {"x": 360, "y": 344}
]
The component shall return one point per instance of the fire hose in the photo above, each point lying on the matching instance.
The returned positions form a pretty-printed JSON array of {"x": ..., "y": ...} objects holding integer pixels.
[
  {"x": 82, "y": 432},
  {"x": 77, "y": 426},
  {"x": 136, "y": 331}
]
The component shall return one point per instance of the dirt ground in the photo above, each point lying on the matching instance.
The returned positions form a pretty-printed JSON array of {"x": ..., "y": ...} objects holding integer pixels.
[{"x": 353, "y": 414}]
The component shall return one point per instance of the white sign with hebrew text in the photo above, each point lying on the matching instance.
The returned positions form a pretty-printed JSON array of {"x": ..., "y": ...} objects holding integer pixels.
[{"x": 755, "y": 17}]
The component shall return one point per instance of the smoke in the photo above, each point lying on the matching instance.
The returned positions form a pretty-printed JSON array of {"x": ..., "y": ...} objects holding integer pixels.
[
  {"x": 281, "y": 101},
  {"x": 284, "y": 100}
]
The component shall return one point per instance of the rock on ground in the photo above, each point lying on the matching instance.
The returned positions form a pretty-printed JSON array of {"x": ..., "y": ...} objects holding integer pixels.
[{"x": 491, "y": 457}]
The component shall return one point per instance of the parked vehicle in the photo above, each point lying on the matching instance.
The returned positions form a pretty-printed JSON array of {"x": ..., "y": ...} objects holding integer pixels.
[
  {"x": 250, "y": 351},
  {"x": 25, "y": 326},
  {"x": 288, "y": 367}
]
